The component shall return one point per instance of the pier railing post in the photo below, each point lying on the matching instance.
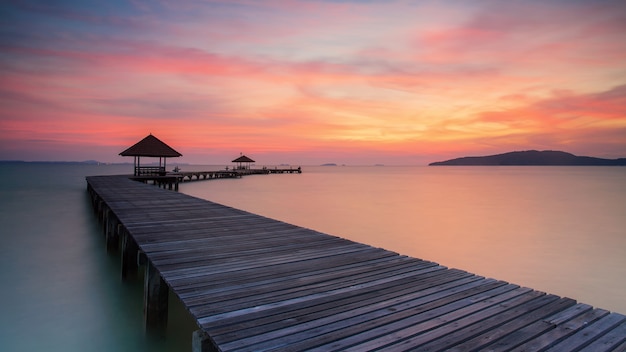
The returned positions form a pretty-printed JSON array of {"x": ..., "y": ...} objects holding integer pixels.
[{"x": 156, "y": 294}]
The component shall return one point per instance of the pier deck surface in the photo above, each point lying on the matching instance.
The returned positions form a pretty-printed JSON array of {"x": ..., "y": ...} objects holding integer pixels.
[{"x": 254, "y": 283}]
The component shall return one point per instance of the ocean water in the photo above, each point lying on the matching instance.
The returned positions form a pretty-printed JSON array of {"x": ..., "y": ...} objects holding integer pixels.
[
  {"x": 61, "y": 291},
  {"x": 557, "y": 229}
]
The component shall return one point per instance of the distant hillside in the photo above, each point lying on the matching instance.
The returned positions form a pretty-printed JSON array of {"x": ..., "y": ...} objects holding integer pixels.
[{"x": 533, "y": 157}]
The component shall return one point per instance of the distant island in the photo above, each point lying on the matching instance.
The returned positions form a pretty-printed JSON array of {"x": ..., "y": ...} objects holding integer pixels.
[{"x": 532, "y": 158}]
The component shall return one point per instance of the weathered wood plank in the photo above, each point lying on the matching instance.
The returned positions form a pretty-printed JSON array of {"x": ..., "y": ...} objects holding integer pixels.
[
  {"x": 471, "y": 326},
  {"x": 267, "y": 302},
  {"x": 609, "y": 341},
  {"x": 268, "y": 295},
  {"x": 522, "y": 335},
  {"x": 364, "y": 318},
  {"x": 590, "y": 333},
  {"x": 489, "y": 336},
  {"x": 266, "y": 279},
  {"x": 560, "y": 331},
  {"x": 388, "y": 295},
  {"x": 439, "y": 325},
  {"x": 222, "y": 281}
]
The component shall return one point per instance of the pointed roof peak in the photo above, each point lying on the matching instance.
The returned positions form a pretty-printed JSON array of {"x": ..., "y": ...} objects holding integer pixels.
[
  {"x": 151, "y": 146},
  {"x": 243, "y": 159}
]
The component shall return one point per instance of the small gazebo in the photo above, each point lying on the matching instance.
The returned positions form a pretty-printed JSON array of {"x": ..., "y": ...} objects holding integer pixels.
[
  {"x": 154, "y": 148},
  {"x": 243, "y": 162}
]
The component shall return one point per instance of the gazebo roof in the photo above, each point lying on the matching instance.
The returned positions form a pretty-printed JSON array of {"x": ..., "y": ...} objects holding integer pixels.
[
  {"x": 151, "y": 147},
  {"x": 243, "y": 159}
]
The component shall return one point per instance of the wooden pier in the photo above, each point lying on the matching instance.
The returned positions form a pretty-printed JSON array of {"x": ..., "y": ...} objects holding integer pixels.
[
  {"x": 206, "y": 175},
  {"x": 170, "y": 180},
  {"x": 186, "y": 176},
  {"x": 257, "y": 284}
]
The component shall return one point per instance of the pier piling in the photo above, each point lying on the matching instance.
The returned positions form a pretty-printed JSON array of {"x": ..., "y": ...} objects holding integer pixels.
[
  {"x": 201, "y": 342},
  {"x": 156, "y": 293},
  {"x": 129, "y": 256},
  {"x": 112, "y": 238}
]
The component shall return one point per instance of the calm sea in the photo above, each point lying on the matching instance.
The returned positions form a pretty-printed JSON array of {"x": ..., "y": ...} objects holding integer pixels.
[
  {"x": 557, "y": 229},
  {"x": 60, "y": 290}
]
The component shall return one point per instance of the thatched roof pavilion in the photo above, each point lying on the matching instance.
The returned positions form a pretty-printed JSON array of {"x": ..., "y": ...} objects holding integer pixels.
[
  {"x": 154, "y": 148},
  {"x": 243, "y": 162}
]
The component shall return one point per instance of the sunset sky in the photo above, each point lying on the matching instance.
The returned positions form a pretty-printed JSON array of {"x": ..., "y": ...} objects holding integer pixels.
[{"x": 307, "y": 82}]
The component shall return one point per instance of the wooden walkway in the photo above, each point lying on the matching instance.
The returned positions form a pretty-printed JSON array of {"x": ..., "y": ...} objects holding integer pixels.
[
  {"x": 257, "y": 284},
  {"x": 170, "y": 180},
  {"x": 206, "y": 175}
]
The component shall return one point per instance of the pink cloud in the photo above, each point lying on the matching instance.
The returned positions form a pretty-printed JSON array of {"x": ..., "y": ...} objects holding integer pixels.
[
  {"x": 564, "y": 106},
  {"x": 516, "y": 35},
  {"x": 565, "y": 121}
]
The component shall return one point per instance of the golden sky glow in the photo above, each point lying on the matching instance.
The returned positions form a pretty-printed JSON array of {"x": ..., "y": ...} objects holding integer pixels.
[{"x": 307, "y": 82}]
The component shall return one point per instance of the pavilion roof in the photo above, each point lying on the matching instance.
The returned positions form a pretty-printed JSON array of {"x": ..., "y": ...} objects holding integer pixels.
[
  {"x": 152, "y": 147},
  {"x": 243, "y": 159}
]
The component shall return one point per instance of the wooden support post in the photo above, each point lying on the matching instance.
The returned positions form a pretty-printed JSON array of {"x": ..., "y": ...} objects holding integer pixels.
[
  {"x": 129, "y": 256},
  {"x": 142, "y": 259},
  {"x": 92, "y": 196},
  {"x": 156, "y": 294},
  {"x": 103, "y": 220},
  {"x": 100, "y": 210},
  {"x": 201, "y": 342},
  {"x": 112, "y": 237}
]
